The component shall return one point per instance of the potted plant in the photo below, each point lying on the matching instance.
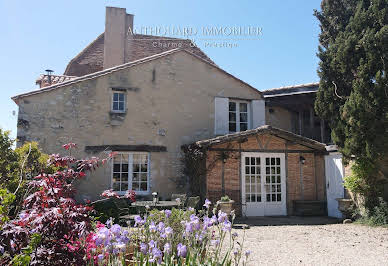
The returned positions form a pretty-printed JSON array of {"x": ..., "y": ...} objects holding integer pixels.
[{"x": 226, "y": 204}]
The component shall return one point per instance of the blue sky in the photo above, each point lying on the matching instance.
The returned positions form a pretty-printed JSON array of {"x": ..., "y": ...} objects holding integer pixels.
[{"x": 36, "y": 35}]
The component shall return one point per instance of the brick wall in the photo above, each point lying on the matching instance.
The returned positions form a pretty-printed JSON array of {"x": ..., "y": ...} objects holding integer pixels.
[{"x": 313, "y": 170}]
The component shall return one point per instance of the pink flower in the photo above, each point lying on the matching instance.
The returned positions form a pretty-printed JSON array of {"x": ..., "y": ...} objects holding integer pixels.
[{"x": 109, "y": 194}]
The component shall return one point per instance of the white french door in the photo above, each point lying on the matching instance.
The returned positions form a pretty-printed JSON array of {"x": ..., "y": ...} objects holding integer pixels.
[{"x": 263, "y": 184}]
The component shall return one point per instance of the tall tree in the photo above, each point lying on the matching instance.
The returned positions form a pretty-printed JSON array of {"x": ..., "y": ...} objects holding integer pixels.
[{"x": 353, "y": 89}]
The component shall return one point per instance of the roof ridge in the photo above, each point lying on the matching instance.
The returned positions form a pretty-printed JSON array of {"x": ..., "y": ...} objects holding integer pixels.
[
  {"x": 124, "y": 66},
  {"x": 293, "y": 86}
]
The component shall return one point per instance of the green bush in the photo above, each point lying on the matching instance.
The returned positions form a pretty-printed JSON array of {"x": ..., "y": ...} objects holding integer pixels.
[{"x": 378, "y": 216}]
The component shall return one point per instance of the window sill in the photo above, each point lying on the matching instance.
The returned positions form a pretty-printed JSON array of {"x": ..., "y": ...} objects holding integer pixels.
[
  {"x": 117, "y": 112},
  {"x": 122, "y": 193}
]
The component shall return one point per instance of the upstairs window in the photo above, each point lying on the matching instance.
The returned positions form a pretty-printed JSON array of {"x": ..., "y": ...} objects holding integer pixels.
[
  {"x": 118, "y": 103},
  {"x": 238, "y": 116}
]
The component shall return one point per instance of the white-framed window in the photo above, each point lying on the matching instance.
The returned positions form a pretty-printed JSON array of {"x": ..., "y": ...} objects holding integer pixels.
[
  {"x": 238, "y": 116},
  {"x": 118, "y": 101},
  {"x": 130, "y": 170}
]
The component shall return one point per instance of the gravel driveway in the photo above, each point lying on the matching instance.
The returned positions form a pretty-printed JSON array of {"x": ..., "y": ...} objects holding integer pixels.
[{"x": 331, "y": 244}]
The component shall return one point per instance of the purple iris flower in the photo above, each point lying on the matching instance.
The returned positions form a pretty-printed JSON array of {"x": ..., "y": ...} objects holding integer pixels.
[
  {"x": 157, "y": 254},
  {"x": 167, "y": 248},
  {"x": 214, "y": 219},
  {"x": 116, "y": 229},
  {"x": 161, "y": 226},
  {"x": 182, "y": 250},
  {"x": 143, "y": 248},
  {"x": 168, "y": 230},
  {"x": 222, "y": 216},
  {"x": 189, "y": 227},
  {"x": 167, "y": 213},
  {"x": 207, "y": 203},
  {"x": 227, "y": 226},
  {"x": 138, "y": 220},
  {"x": 152, "y": 244},
  {"x": 247, "y": 253},
  {"x": 100, "y": 257},
  {"x": 152, "y": 227}
]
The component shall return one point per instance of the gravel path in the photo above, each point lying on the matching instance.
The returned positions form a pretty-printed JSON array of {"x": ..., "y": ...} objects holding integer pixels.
[{"x": 333, "y": 244}]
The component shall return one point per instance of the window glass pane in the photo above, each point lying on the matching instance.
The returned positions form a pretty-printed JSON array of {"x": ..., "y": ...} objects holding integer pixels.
[
  {"x": 248, "y": 198},
  {"x": 232, "y": 127},
  {"x": 253, "y": 170},
  {"x": 247, "y": 160},
  {"x": 232, "y": 106},
  {"x": 247, "y": 169},
  {"x": 273, "y": 197},
  {"x": 143, "y": 177},
  {"x": 268, "y": 197},
  {"x": 116, "y": 167},
  {"x": 136, "y": 177},
  {"x": 258, "y": 160},
  {"x": 136, "y": 168},
  {"x": 278, "y": 179},
  {"x": 124, "y": 177},
  {"x": 278, "y": 161},
  {"x": 243, "y": 126},
  {"x": 232, "y": 117},
  {"x": 144, "y": 168},
  {"x": 143, "y": 186},
  {"x": 116, "y": 177},
  {"x": 115, "y": 97},
  {"x": 279, "y": 197},
  {"x": 278, "y": 188},
  {"x": 243, "y": 117},
  {"x": 267, "y": 161},
  {"x": 247, "y": 188},
  {"x": 121, "y": 97},
  {"x": 253, "y": 198},
  {"x": 258, "y": 198},
  {"x": 272, "y": 161},
  {"x": 115, "y": 106},
  {"x": 253, "y": 161},
  {"x": 124, "y": 167},
  {"x": 116, "y": 186},
  {"x": 124, "y": 186},
  {"x": 243, "y": 107},
  {"x": 121, "y": 106}
]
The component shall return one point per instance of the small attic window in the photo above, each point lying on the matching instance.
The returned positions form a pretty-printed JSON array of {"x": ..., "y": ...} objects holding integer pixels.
[{"x": 118, "y": 102}]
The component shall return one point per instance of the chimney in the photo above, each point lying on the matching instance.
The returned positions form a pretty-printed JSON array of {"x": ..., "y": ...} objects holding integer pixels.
[{"x": 117, "y": 22}]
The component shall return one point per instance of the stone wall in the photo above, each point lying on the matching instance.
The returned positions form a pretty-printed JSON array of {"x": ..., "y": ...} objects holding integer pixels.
[{"x": 170, "y": 102}]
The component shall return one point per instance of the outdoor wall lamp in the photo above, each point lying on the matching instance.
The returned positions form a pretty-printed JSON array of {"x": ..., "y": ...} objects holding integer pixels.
[{"x": 302, "y": 159}]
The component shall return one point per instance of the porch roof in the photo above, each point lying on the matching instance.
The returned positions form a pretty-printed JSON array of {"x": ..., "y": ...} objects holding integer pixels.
[{"x": 266, "y": 129}]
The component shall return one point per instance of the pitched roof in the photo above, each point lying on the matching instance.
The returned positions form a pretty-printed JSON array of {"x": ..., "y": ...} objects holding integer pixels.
[
  {"x": 91, "y": 59},
  {"x": 47, "y": 80},
  {"x": 125, "y": 66},
  {"x": 291, "y": 90},
  {"x": 262, "y": 130}
]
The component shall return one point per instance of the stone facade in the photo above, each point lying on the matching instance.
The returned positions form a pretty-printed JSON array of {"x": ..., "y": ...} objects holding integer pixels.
[
  {"x": 313, "y": 174},
  {"x": 170, "y": 102}
]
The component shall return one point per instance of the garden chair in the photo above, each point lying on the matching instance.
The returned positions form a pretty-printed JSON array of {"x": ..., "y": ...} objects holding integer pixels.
[
  {"x": 192, "y": 202},
  {"x": 182, "y": 197}
]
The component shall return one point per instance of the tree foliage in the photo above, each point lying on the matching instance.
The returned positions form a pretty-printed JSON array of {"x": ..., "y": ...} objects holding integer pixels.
[{"x": 353, "y": 87}]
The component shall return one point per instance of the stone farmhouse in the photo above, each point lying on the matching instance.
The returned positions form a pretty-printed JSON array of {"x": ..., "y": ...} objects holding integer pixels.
[{"x": 145, "y": 101}]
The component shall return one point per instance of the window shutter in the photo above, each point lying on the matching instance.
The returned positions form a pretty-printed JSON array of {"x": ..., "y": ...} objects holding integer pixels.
[
  {"x": 221, "y": 118},
  {"x": 258, "y": 113}
]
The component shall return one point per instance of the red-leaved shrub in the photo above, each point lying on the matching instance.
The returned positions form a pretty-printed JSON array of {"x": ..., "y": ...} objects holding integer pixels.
[{"x": 52, "y": 212}]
